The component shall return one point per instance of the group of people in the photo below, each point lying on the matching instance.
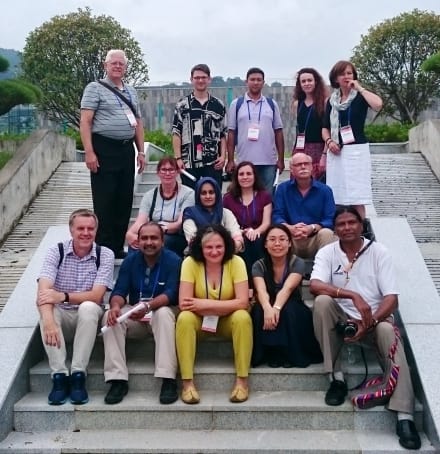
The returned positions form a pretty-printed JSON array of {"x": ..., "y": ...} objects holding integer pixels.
[{"x": 194, "y": 255}]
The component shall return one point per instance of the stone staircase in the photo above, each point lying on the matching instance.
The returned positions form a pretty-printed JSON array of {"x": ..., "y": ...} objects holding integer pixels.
[{"x": 285, "y": 412}]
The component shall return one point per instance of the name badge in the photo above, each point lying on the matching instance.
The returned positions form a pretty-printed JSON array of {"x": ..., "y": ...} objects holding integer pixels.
[
  {"x": 199, "y": 151},
  {"x": 253, "y": 133},
  {"x": 347, "y": 135},
  {"x": 147, "y": 317},
  {"x": 209, "y": 323},
  {"x": 300, "y": 142},
  {"x": 131, "y": 118}
]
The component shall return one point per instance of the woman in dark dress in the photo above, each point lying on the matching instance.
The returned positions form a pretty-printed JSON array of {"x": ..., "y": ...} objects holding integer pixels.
[
  {"x": 309, "y": 98},
  {"x": 283, "y": 327}
]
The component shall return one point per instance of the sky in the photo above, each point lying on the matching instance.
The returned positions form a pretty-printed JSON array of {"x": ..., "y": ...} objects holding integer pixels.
[{"x": 279, "y": 36}]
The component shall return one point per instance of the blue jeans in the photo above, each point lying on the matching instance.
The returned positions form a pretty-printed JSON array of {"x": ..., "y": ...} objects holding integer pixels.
[{"x": 266, "y": 174}]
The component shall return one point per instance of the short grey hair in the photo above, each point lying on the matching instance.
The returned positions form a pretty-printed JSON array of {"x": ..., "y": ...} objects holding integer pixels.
[{"x": 113, "y": 52}]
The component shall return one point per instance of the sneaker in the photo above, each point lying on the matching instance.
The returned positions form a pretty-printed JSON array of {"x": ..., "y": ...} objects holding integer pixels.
[
  {"x": 335, "y": 395},
  {"x": 78, "y": 392},
  {"x": 168, "y": 391},
  {"x": 117, "y": 391},
  {"x": 408, "y": 435},
  {"x": 60, "y": 389}
]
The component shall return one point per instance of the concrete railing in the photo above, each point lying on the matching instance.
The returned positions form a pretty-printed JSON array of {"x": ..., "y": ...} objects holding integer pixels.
[
  {"x": 425, "y": 138},
  {"x": 31, "y": 166}
]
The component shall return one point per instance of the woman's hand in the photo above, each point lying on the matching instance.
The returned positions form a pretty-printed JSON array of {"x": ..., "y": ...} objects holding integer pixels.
[
  {"x": 251, "y": 234},
  {"x": 334, "y": 147},
  {"x": 271, "y": 318}
]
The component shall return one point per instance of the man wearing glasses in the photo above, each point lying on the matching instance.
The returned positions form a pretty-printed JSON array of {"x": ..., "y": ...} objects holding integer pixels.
[
  {"x": 150, "y": 275},
  {"x": 306, "y": 207},
  {"x": 199, "y": 130}
]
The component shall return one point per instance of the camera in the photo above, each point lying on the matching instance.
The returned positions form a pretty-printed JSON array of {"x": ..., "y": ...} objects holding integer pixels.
[{"x": 346, "y": 329}]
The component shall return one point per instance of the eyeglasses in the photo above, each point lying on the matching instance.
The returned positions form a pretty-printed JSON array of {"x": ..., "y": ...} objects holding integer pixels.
[
  {"x": 281, "y": 240},
  {"x": 200, "y": 77},
  {"x": 208, "y": 192},
  {"x": 300, "y": 164},
  {"x": 165, "y": 170}
]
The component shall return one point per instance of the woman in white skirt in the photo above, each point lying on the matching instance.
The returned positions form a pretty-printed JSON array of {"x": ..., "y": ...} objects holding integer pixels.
[{"x": 348, "y": 157}]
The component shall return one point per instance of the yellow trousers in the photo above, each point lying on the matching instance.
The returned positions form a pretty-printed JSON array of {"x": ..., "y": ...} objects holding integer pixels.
[{"x": 236, "y": 326}]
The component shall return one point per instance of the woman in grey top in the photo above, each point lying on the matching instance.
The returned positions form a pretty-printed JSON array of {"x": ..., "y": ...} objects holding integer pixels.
[{"x": 164, "y": 204}]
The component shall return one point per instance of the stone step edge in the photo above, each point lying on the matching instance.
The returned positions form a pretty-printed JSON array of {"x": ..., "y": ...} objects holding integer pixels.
[{"x": 212, "y": 441}]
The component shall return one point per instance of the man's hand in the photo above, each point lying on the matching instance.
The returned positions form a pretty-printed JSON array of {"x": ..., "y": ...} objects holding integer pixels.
[
  {"x": 140, "y": 162},
  {"x": 112, "y": 315},
  {"x": 360, "y": 333},
  {"x": 49, "y": 296},
  {"x": 299, "y": 231},
  {"x": 219, "y": 163},
  {"x": 51, "y": 333},
  {"x": 92, "y": 161},
  {"x": 365, "y": 311},
  {"x": 280, "y": 165},
  {"x": 230, "y": 166}
]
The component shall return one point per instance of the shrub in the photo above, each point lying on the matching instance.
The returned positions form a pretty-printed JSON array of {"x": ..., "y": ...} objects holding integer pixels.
[
  {"x": 393, "y": 132},
  {"x": 5, "y": 156},
  {"x": 74, "y": 134},
  {"x": 161, "y": 139}
]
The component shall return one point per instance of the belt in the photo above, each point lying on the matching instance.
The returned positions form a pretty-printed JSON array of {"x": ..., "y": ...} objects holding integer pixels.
[{"x": 114, "y": 141}]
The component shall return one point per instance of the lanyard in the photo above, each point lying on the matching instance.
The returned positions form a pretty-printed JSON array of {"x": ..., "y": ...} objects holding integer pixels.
[
  {"x": 245, "y": 210},
  {"x": 174, "y": 209},
  {"x": 119, "y": 101},
  {"x": 154, "y": 285},
  {"x": 206, "y": 284},
  {"x": 348, "y": 116},
  {"x": 259, "y": 113},
  {"x": 310, "y": 108}
]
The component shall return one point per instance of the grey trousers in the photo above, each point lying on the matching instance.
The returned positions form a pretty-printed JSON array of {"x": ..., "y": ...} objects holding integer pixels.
[
  {"x": 163, "y": 327},
  {"x": 308, "y": 247},
  {"x": 326, "y": 312}
]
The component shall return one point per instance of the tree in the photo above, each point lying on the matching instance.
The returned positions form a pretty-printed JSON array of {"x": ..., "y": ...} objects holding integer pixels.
[
  {"x": 389, "y": 60},
  {"x": 63, "y": 55},
  {"x": 16, "y": 91}
]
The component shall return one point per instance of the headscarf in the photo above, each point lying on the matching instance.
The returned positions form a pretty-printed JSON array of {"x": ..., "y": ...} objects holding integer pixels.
[{"x": 201, "y": 215}]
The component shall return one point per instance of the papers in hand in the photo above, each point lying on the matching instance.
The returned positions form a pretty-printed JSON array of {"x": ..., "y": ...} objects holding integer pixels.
[
  {"x": 188, "y": 175},
  {"x": 141, "y": 305}
]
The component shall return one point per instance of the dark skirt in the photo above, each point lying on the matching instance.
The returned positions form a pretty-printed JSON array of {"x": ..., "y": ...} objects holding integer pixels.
[{"x": 294, "y": 336}]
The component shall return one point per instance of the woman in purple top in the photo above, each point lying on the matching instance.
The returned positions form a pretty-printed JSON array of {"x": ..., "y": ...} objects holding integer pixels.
[{"x": 252, "y": 206}]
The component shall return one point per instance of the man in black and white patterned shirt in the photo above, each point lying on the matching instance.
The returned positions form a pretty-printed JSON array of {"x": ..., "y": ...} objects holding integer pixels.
[{"x": 199, "y": 130}]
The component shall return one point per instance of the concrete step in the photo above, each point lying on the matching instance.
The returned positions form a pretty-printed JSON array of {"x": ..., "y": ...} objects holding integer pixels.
[
  {"x": 264, "y": 410},
  {"x": 181, "y": 441}
]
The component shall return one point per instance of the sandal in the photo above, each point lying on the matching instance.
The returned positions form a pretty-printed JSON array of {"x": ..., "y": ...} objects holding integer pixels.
[
  {"x": 190, "y": 395},
  {"x": 239, "y": 394}
]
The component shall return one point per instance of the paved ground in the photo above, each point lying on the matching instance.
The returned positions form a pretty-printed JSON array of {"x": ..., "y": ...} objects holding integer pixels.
[{"x": 403, "y": 185}]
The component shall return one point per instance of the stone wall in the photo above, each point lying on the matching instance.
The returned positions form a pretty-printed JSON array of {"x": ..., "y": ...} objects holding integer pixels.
[
  {"x": 425, "y": 138},
  {"x": 31, "y": 166}
]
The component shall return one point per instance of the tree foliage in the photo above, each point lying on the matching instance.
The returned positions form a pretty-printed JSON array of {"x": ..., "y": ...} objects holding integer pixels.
[
  {"x": 432, "y": 64},
  {"x": 15, "y": 91},
  {"x": 389, "y": 60},
  {"x": 66, "y": 53}
]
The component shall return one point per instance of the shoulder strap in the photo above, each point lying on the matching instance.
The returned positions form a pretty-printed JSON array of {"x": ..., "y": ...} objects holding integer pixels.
[
  {"x": 61, "y": 251},
  {"x": 119, "y": 95},
  {"x": 272, "y": 106},
  {"x": 98, "y": 256},
  {"x": 240, "y": 101},
  {"x": 153, "y": 203}
]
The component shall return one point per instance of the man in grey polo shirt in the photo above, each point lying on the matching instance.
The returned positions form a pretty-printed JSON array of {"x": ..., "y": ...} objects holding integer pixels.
[
  {"x": 109, "y": 125},
  {"x": 71, "y": 285},
  {"x": 255, "y": 131}
]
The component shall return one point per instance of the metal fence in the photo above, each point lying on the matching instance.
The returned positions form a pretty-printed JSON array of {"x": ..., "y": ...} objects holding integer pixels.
[{"x": 21, "y": 119}]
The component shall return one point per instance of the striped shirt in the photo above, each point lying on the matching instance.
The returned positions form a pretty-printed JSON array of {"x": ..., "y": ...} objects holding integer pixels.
[
  {"x": 110, "y": 118},
  {"x": 77, "y": 274}
]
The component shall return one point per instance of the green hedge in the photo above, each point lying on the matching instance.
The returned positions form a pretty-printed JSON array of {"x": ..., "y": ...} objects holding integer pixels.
[
  {"x": 5, "y": 156},
  {"x": 393, "y": 132}
]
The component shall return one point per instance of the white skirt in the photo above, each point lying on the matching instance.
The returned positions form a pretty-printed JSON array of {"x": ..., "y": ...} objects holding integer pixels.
[{"x": 349, "y": 175}]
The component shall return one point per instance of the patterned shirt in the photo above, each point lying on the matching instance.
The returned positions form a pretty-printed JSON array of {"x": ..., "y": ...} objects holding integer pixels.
[
  {"x": 77, "y": 274},
  {"x": 200, "y": 127}
]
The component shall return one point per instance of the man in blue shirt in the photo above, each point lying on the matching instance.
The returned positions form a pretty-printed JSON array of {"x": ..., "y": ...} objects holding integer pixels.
[
  {"x": 152, "y": 274},
  {"x": 306, "y": 207}
]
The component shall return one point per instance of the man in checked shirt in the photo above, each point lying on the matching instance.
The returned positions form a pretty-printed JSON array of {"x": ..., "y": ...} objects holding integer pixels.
[{"x": 71, "y": 286}]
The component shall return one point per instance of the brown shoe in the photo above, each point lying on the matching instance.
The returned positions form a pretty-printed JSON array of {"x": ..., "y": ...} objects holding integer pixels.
[
  {"x": 190, "y": 395},
  {"x": 239, "y": 394}
]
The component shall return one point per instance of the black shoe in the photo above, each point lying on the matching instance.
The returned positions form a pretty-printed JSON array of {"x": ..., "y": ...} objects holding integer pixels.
[
  {"x": 78, "y": 392},
  {"x": 117, "y": 391},
  {"x": 60, "y": 389},
  {"x": 335, "y": 395},
  {"x": 274, "y": 358},
  {"x": 408, "y": 435},
  {"x": 168, "y": 391}
]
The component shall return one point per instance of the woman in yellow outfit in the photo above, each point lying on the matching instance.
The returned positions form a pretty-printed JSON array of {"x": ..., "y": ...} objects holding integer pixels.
[{"x": 213, "y": 298}]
